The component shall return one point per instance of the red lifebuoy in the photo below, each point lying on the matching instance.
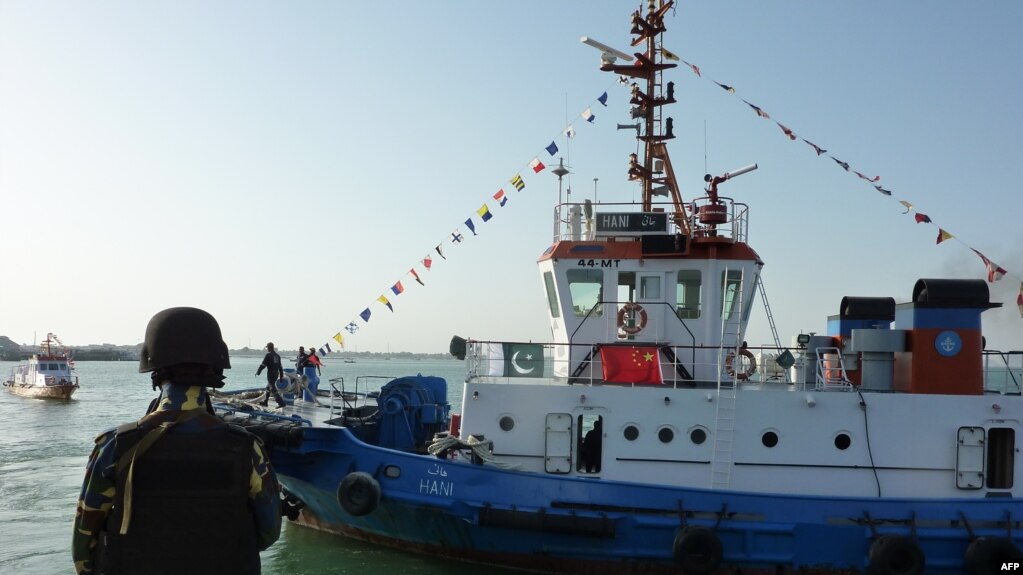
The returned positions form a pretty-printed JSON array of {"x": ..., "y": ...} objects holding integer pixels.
[
  {"x": 750, "y": 370},
  {"x": 632, "y": 309}
]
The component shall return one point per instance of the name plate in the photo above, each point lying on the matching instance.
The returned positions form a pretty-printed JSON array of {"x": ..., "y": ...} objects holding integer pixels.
[{"x": 631, "y": 223}]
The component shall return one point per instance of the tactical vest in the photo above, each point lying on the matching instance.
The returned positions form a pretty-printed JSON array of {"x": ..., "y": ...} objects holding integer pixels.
[{"x": 190, "y": 506}]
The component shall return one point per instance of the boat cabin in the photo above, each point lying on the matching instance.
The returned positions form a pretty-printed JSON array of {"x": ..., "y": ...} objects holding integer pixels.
[
  {"x": 636, "y": 278},
  {"x": 44, "y": 370}
]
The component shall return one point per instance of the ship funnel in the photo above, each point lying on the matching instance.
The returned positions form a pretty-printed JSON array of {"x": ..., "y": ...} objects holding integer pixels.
[{"x": 588, "y": 209}]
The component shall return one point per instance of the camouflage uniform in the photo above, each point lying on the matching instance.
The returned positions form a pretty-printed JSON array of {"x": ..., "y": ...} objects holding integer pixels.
[{"x": 99, "y": 487}]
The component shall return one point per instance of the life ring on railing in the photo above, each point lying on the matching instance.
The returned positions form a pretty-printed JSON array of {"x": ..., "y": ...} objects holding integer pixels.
[
  {"x": 985, "y": 552},
  {"x": 750, "y": 370},
  {"x": 632, "y": 309},
  {"x": 698, "y": 550},
  {"x": 896, "y": 555},
  {"x": 358, "y": 493}
]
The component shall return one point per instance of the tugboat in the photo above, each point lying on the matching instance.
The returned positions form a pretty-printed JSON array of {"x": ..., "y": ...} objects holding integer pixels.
[
  {"x": 48, "y": 374},
  {"x": 647, "y": 437}
]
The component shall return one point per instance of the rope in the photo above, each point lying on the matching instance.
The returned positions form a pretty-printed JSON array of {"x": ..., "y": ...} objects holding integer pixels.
[
  {"x": 296, "y": 385},
  {"x": 482, "y": 449}
]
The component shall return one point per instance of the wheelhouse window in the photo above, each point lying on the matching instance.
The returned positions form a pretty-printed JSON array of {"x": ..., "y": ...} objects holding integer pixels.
[
  {"x": 626, "y": 287},
  {"x": 650, "y": 287},
  {"x": 552, "y": 296},
  {"x": 732, "y": 282},
  {"x": 586, "y": 287},
  {"x": 687, "y": 294}
]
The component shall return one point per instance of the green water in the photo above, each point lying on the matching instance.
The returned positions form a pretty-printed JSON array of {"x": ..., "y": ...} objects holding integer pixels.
[{"x": 44, "y": 446}]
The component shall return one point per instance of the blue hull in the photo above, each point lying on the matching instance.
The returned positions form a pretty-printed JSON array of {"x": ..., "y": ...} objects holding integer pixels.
[{"x": 567, "y": 524}]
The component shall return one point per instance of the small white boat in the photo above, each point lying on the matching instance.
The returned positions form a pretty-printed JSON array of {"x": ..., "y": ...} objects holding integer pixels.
[{"x": 48, "y": 374}]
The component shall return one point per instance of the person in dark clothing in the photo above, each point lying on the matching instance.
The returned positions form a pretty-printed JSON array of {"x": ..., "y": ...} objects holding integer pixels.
[
  {"x": 592, "y": 444},
  {"x": 274, "y": 372},
  {"x": 180, "y": 490},
  {"x": 301, "y": 361}
]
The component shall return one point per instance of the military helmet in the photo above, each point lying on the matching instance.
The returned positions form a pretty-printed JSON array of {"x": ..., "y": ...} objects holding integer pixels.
[{"x": 183, "y": 335}]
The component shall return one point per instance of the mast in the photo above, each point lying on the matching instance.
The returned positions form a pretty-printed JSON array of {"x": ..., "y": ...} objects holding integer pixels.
[{"x": 654, "y": 170}]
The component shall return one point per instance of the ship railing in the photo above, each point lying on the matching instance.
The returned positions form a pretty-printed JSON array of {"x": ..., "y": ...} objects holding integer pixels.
[
  {"x": 363, "y": 393},
  {"x": 831, "y": 374},
  {"x": 577, "y": 221},
  {"x": 681, "y": 366},
  {"x": 608, "y": 323},
  {"x": 1003, "y": 372},
  {"x": 735, "y": 226}
]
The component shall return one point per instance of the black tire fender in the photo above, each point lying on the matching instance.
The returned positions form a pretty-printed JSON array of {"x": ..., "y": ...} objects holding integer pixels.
[
  {"x": 896, "y": 555},
  {"x": 358, "y": 493},
  {"x": 698, "y": 550},
  {"x": 987, "y": 554}
]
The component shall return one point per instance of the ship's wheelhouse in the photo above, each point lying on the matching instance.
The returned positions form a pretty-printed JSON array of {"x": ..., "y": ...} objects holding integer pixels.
[{"x": 610, "y": 292}]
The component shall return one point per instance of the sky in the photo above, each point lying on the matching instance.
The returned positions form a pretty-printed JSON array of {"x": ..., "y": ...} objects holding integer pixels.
[{"x": 282, "y": 165}]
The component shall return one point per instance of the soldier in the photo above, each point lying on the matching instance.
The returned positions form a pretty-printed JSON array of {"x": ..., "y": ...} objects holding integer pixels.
[
  {"x": 178, "y": 491},
  {"x": 274, "y": 371}
]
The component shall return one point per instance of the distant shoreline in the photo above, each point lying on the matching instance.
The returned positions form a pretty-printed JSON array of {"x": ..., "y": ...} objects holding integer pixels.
[{"x": 11, "y": 351}]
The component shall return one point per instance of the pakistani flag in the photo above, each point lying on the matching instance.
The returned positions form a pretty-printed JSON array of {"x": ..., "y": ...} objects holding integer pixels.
[{"x": 515, "y": 359}]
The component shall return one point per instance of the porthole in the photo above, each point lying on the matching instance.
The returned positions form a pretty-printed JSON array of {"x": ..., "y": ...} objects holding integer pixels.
[
  {"x": 843, "y": 441},
  {"x": 665, "y": 434},
  {"x": 631, "y": 433},
  {"x": 698, "y": 436},
  {"x": 507, "y": 423},
  {"x": 769, "y": 439}
]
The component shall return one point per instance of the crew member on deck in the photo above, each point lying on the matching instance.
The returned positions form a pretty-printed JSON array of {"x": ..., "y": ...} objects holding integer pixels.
[
  {"x": 314, "y": 359},
  {"x": 274, "y": 372},
  {"x": 180, "y": 490},
  {"x": 301, "y": 361},
  {"x": 592, "y": 446}
]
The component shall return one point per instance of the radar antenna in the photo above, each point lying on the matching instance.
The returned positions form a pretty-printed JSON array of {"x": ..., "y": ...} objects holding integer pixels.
[{"x": 649, "y": 94}]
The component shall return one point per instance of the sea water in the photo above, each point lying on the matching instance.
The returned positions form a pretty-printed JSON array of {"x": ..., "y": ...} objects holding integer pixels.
[{"x": 44, "y": 445}]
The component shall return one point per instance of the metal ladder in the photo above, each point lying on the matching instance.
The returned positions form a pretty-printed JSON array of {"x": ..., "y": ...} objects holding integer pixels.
[
  {"x": 724, "y": 427},
  {"x": 770, "y": 321}
]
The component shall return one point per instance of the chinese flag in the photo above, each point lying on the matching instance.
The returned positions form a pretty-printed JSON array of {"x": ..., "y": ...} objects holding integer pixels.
[{"x": 630, "y": 364}]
